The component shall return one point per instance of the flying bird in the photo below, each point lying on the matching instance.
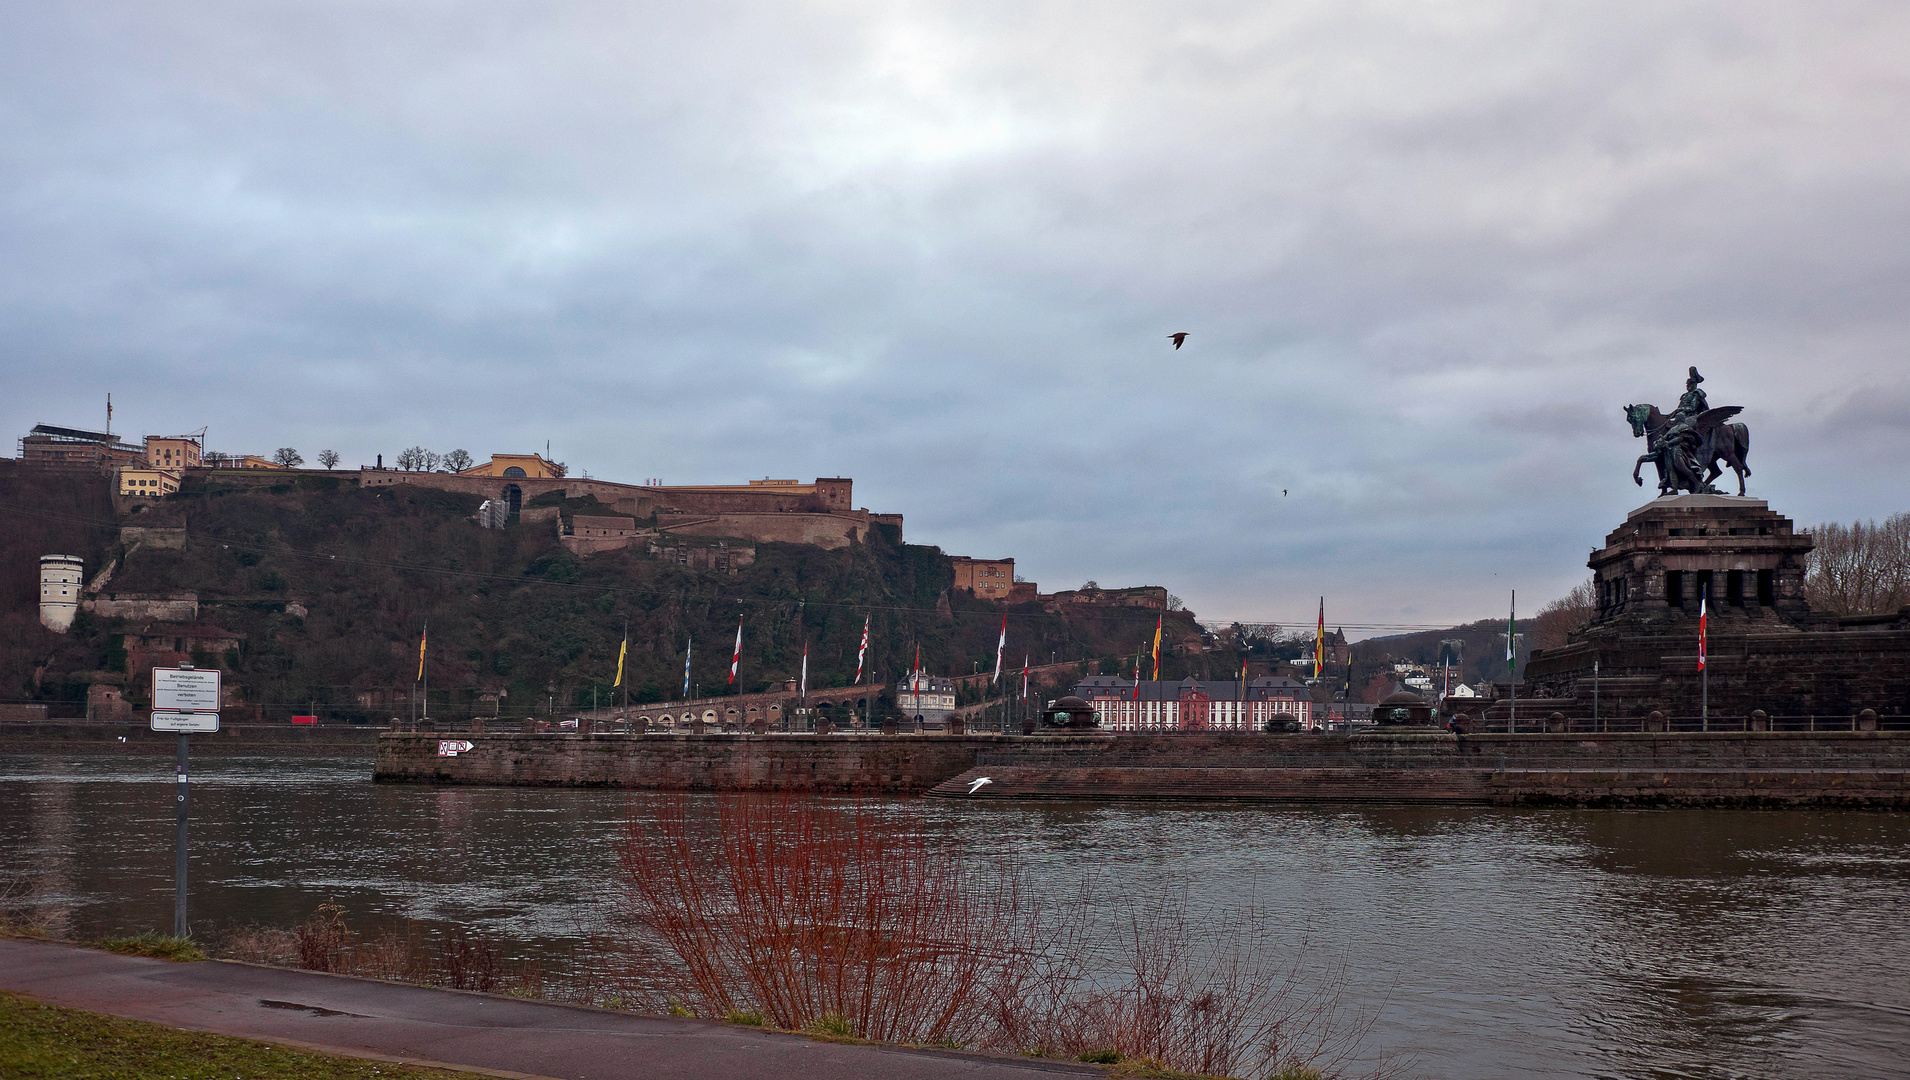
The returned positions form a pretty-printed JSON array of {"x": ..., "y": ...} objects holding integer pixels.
[
  {"x": 1283, "y": 493},
  {"x": 1177, "y": 339},
  {"x": 975, "y": 785}
]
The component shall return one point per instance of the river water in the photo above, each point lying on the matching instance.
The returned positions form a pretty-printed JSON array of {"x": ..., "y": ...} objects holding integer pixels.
[{"x": 1489, "y": 943}]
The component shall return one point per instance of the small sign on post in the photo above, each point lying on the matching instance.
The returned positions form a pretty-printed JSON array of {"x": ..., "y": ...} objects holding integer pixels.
[
  {"x": 183, "y": 722},
  {"x": 185, "y": 700}
]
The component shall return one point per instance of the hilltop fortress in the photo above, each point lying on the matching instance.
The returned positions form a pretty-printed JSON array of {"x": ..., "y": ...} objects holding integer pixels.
[{"x": 820, "y": 513}]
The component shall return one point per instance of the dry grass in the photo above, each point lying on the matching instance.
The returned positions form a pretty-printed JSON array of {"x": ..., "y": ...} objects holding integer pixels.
[
  {"x": 845, "y": 921},
  {"x": 18, "y": 915},
  {"x": 457, "y": 961}
]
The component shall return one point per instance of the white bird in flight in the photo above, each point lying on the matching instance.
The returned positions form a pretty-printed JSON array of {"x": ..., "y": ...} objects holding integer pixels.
[{"x": 975, "y": 785}]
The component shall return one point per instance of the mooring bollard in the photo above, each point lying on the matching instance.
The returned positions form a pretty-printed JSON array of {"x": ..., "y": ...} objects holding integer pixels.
[
  {"x": 1760, "y": 720},
  {"x": 1657, "y": 722},
  {"x": 1867, "y": 720},
  {"x": 955, "y": 726},
  {"x": 1555, "y": 723}
]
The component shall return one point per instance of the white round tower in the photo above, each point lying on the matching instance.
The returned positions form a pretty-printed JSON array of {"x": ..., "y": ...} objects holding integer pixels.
[{"x": 59, "y": 590}]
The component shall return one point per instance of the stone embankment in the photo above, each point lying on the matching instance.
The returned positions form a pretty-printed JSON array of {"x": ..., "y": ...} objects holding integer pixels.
[{"x": 1869, "y": 769}]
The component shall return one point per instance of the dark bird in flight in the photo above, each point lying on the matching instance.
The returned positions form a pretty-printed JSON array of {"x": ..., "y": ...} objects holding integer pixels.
[
  {"x": 1283, "y": 492},
  {"x": 1177, "y": 339}
]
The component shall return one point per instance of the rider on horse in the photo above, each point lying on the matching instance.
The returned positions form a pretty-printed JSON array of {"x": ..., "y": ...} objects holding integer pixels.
[{"x": 1676, "y": 446}]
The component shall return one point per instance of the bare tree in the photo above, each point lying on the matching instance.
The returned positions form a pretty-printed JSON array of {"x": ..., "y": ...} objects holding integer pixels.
[
  {"x": 1174, "y": 603},
  {"x": 430, "y": 462},
  {"x": 288, "y": 457},
  {"x": 1860, "y": 568},
  {"x": 328, "y": 458},
  {"x": 458, "y": 461},
  {"x": 1549, "y": 628},
  {"x": 412, "y": 459}
]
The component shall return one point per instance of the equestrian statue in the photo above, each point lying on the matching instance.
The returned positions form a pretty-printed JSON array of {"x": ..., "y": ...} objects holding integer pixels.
[{"x": 1687, "y": 444}]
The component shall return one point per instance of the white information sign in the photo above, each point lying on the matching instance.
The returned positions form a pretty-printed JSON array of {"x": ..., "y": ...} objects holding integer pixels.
[
  {"x": 185, "y": 721},
  {"x": 453, "y": 747},
  {"x": 187, "y": 690}
]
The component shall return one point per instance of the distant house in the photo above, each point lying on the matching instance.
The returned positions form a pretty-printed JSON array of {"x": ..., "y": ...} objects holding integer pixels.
[
  {"x": 1196, "y": 705},
  {"x": 174, "y": 452},
  {"x": 145, "y": 482},
  {"x": 170, "y": 644},
  {"x": 988, "y": 579},
  {"x": 925, "y": 698}
]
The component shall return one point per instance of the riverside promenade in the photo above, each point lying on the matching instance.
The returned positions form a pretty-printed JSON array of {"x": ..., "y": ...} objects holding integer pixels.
[{"x": 478, "y": 1033}]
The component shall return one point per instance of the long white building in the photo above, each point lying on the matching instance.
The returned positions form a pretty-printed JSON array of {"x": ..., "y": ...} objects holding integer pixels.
[{"x": 1196, "y": 705}]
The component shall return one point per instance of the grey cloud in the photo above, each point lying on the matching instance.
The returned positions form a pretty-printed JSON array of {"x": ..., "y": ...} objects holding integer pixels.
[{"x": 1424, "y": 253}]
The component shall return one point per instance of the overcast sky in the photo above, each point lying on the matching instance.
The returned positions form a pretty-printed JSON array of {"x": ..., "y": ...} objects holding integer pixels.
[{"x": 1424, "y": 251}]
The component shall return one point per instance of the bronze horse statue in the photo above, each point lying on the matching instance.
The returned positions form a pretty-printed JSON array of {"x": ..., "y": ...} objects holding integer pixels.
[{"x": 1717, "y": 441}]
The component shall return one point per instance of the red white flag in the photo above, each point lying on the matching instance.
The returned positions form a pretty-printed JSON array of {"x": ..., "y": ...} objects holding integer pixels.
[
  {"x": 1000, "y": 644},
  {"x": 863, "y": 652},
  {"x": 1024, "y": 678},
  {"x": 805, "y": 671},
  {"x": 736, "y": 658},
  {"x": 1702, "y": 619},
  {"x": 1137, "y": 676}
]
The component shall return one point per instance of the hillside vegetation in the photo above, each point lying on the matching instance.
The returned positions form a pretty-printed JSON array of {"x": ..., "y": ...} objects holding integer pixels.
[{"x": 508, "y": 609}]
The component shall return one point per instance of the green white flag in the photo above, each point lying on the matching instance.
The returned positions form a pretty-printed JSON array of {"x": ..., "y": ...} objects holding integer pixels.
[{"x": 1512, "y": 635}]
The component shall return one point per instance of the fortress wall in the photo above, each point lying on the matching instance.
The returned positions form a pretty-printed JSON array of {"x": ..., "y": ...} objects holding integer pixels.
[{"x": 827, "y": 531}]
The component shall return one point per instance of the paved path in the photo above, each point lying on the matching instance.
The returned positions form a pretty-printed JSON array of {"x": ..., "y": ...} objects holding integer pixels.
[{"x": 498, "y": 1035}]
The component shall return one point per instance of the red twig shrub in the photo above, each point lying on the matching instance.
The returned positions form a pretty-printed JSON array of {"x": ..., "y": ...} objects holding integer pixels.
[{"x": 821, "y": 914}]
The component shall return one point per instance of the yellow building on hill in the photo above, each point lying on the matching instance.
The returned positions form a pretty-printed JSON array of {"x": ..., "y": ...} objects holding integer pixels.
[
  {"x": 172, "y": 452},
  {"x": 517, "y": 466},
  {"x": 147, "y": 482}
]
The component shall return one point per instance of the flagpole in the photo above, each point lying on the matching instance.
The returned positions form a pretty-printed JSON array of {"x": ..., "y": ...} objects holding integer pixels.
[
  {"x": 1512, "y": 662},
  {"x": 424, "y": 670},
  {"x": 620, "y": 655},
  {"x": 1704, "y": 661}
]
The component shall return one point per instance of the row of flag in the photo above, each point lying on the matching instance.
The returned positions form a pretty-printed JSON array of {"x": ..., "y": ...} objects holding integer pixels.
[{"x": 1001, "y": 646}]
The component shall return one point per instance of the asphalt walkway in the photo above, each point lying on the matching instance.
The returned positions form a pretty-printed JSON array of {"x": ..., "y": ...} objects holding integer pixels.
[{"x": 500, "y": 1036}]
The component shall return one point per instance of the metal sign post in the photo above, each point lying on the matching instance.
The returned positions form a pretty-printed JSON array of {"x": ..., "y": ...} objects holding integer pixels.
[{"x": 185, "y": 700}]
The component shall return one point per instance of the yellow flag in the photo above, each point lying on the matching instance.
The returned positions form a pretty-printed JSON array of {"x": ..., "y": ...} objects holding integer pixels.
[
  {"x": 621, "y": 649},
  {"x": 421, "y": 641}
]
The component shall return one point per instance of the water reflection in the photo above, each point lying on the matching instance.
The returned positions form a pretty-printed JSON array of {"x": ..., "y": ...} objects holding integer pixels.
[{"x": 1495, "y": 943}]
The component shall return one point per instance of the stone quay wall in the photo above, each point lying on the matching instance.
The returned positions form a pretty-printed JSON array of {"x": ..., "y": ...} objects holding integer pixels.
[
  {"x": 874, "y": 764},
  {"x": 1716, "y": 768},
  {"x": 269, "y": 740}
]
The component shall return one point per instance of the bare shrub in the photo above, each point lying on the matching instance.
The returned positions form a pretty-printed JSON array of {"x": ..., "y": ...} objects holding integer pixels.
[
  {"x": 1556, "y": 620},
  {"x": 809, "y": 912},
  {"x": 322, "y": 939},
  {"x": 1861, "y": 568},
  {"x": 468, "y": 963}
]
